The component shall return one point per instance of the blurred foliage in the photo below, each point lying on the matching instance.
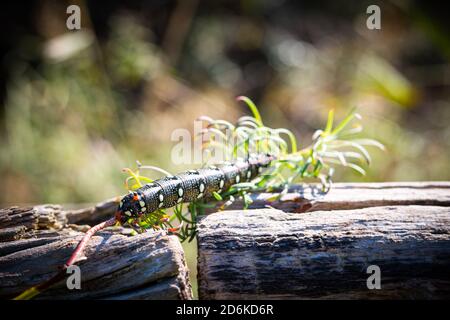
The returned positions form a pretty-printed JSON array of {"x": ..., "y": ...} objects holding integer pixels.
[{"x": 82, "y": 105}]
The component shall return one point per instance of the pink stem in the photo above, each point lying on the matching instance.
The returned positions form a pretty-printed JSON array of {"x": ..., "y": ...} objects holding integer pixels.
[
  {"x": 82, "y": 244},
  {"x": 73, "y": 258}
]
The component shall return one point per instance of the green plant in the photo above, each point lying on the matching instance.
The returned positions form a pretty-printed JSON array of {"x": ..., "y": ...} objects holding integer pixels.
[{"x": 333, "y": 146}]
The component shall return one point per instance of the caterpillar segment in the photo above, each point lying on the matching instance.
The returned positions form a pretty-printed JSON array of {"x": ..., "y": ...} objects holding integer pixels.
[
  {"x": 189, "y": 186},
  {"x": 194, "y": 184}
]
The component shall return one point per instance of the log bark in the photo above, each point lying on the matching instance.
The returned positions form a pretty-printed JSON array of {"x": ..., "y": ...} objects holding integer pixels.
[
  {"x": 307, "y": 198},
  {"x": 34, "y": 242},
  {"x": 271, "y": 254},
  {"x": 286, "y": 258}
]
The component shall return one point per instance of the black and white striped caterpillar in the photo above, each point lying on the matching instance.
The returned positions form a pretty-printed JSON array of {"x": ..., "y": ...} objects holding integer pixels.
[
  {"x": 189, "y": 186},
  {"x": 144, "y": 206}
]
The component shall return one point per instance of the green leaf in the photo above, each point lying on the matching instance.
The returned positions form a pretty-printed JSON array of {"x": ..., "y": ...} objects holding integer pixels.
[
  {"x": 363, "y": 150},
  {"x": 247, "y": 201},
  {"x": 217, "y": 196},
  {"x": 218, "y": 123},
  {"x": 356, "y": 168},
  {"x": 343, "y": 123},
  {"x": 329, "y": 121},
  {"x": 253, "y": 109},
  {"x": 369, "y": 142},
  {"x": 204, "y": 205}
]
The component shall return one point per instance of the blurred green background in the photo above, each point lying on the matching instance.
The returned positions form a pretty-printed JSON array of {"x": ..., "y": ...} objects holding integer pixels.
[{"x": 78, "y": 106}]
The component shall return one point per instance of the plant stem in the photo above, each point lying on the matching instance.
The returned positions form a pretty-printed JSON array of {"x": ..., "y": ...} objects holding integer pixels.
[{"x": 35, "y": 290}]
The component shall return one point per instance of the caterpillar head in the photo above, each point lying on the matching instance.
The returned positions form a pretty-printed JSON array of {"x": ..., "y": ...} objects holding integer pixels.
[{"x": 131, "y": 206}]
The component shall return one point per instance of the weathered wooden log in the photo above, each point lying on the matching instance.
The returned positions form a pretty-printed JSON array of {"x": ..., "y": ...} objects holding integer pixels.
[
  {"x": 351, "y": 196},
  {"x": 119, "y": 266},
  {"x": 271, "y": 254},
  {"x": 93, "y": 214},
  {"x": 38, "y": 229},
  {"x": 36, "y": 217}
]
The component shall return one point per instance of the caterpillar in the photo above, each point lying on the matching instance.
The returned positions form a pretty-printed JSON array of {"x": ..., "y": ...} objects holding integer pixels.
[
  {"x": 190, "y": 186},
  {"x": 144, "y": 206},
  {"x": 165, "y": 193}
]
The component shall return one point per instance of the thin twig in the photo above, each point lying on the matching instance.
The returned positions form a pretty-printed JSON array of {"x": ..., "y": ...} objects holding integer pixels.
[{"x": 35, "y": 290}]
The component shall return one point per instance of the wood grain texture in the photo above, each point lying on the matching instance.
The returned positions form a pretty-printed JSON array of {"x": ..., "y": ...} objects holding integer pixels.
[
  {"x": 322, "y": 253},
  {"x": 33, "y": 217},
  {"x": 353, "y": 196},
  {"x": 271, "y": 254},
  {"x": 119, "y": 266}
]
